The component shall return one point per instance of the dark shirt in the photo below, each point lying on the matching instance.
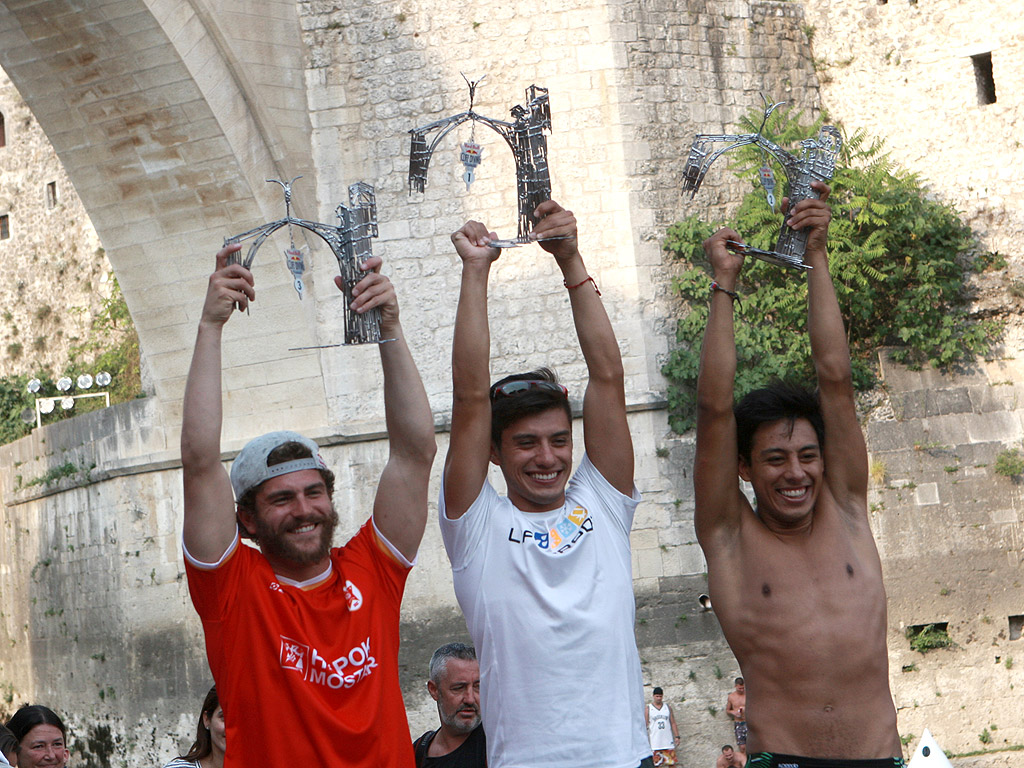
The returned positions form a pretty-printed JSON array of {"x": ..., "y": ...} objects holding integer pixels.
[{"x": 471, "y": 754}]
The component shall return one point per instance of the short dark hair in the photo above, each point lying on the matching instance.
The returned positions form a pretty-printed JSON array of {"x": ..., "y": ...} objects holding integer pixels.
[
  {"x": 505, "y": 411},
  {"x": 31, "y": 715},
  {"x": 738, "y": 681},
  {"x": 779, "y": 401},
  {"x": 289, "y": 451},
  {"x": 657, "y": 691},
  {"x": 439, "y": 661},
  {"x": 203, "y": 745},
  {"x": 728, "y": 746}
]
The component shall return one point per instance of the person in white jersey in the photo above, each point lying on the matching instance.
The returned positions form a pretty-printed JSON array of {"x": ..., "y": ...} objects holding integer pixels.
[
  {"x": 544, "y": 575},
  {"x": 661, "y": 728}
]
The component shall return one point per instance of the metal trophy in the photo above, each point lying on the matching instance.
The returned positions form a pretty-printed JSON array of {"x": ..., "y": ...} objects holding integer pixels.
[
  {"x": 526, "y": 138},
  {"x": 817, "y": 162},
  {"x": 349, "y": 240}
]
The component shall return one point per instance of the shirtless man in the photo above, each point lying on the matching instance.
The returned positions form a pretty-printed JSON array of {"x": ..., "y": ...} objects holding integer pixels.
[
  {"x": 729, "y": 758},
  {"x": 797, "y": 582},
  {"x": 736, "y": 708}
]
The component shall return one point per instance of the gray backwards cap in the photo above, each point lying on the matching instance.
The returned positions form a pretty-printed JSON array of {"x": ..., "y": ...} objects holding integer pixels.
[{"x": 250, "y": 466}]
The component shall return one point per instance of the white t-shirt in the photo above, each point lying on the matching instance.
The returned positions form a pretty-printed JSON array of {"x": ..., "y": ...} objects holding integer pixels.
[
  {"x": 548, "y": 599},
  {"x": 660, "y": 728}
]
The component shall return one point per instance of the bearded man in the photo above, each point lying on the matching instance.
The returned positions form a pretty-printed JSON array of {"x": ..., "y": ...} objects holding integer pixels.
[{"x": 302, "y": 638}]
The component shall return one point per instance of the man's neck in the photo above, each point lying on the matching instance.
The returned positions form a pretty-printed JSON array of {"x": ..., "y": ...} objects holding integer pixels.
[
  {"x": 299, "y": 574},
  {"x": 445, "y": 742}
]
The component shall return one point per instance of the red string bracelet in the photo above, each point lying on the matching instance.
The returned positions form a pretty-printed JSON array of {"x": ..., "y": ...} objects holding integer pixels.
[
  {"x": 583, "y": 282},
  {"x": 731, "y": 294}
]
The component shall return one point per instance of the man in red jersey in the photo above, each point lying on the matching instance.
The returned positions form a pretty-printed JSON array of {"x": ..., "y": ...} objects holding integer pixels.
[{"x": 302, "y": 639}]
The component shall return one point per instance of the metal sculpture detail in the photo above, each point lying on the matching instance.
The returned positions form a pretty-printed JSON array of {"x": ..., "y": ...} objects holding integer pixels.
[
  {"x": 525, "y": 136},
  {"x": 349, "y": 241},
  {"x": 817, "y": 162}
]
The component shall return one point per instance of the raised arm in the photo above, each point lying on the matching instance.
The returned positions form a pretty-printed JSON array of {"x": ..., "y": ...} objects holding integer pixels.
[
  {"x": 718, "y": 501},
  {"x": 469, "y": 450},
  {"x": 605, "y": 430},
  {"x": 209, "y": 504},
  {"x": 400, "y": 506},
  {"x": 845, "y": 452}
]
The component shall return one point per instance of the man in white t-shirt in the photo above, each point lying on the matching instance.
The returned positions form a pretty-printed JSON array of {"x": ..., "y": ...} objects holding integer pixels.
[
  {"x": 544, "y": 575},
  {"x": 661, "y": 728}
]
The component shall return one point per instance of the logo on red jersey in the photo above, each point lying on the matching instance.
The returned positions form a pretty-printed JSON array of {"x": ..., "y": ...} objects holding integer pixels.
[
  {"x": 344, "y": 672},
  {"x": 294, "y": 655},
  {"x": 353, "y": 596}
]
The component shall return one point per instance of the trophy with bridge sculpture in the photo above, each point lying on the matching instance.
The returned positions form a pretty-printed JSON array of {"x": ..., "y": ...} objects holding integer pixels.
[
  {"x": 817, "y": 162},
  {"x": 349, "y": 241},
  {"x": 525, "y": 137}
]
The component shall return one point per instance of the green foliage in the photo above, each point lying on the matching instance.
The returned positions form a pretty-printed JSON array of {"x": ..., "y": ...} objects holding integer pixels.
[
  {"x": 1009, "y": 463},
  {"x": 94, "y": 354},
  {"x": 985, "y": 737},
  {"x": 928, "y": 638},
  {"x": 898, "y": 261}
]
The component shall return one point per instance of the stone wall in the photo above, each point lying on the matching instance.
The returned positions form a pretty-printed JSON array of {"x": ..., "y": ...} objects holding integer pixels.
[
  {"x": 909, "y": 72},
  {"x": 631, "y": 82},
  {"x": 53, "y": 273}
]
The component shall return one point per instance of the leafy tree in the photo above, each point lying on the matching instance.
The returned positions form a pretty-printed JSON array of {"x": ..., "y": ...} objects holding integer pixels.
[
  {"x": 898, "y": 258},
  {"x": 96, "y": 353}
]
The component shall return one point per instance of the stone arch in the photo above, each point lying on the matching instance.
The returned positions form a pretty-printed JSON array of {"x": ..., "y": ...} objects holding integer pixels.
[{"x": 168, "y": 116}]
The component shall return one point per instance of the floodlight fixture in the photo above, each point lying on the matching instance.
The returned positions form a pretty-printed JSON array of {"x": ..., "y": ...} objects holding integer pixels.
[
  {"x": 67, "y": 403},
  {"x": 64, "y": 383},
  {"x": 103, "y": 378},
  {"x": 34, "y": 385},
  {"x": 46, "y": 405},
  {"x": 85, "y": 381}
]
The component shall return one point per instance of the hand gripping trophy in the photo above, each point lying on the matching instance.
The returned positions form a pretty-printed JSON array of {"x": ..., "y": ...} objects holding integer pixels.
[
  {"x": 525, "y": 136},
  {"x": 817, "y": 162},
  {"x": 349, "y": 241}
]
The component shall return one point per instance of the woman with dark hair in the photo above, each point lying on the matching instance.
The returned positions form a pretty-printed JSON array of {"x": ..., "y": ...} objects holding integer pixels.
[
  {"x": 8, "y": 747},
  {"x": 42, "y": 737},
  {"x": 207, "y": 751}
]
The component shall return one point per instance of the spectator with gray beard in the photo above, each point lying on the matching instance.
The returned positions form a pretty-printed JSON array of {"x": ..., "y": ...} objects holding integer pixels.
[{"x": 455, "y": 685}]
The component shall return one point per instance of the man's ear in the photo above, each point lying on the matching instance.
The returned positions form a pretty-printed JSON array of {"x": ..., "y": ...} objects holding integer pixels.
[
  {"x": 432, "y": 690},
  {"x": 246, "y": 520},
  {"x": 744, "y": 470},
  {"x": 495, "y": 454}
]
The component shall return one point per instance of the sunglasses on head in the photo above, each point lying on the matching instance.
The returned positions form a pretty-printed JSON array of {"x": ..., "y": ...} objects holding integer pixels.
[{"x": 513, "y": 388}]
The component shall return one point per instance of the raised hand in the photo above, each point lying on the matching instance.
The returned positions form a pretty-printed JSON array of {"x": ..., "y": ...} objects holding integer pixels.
[
  {"x": 813, "y": 214},
  {"x": 556, "y": 231},
  {"x": 471, "y": 243},
  {"x": 374, "y": 290},
  {"x": 726, "y": 260},
  {"x": 231, "y": 287}
]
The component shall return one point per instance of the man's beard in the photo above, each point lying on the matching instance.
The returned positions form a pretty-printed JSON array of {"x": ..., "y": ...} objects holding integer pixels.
[
  {"x": 276, "y": 543},
  {"x": 457, "y": 724}
]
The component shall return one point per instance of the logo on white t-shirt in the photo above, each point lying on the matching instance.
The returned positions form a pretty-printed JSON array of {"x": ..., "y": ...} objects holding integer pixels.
[{"x": 570, "y": 528}]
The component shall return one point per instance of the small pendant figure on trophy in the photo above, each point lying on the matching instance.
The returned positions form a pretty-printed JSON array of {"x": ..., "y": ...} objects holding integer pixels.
[
  {"x": 767, "y": 179},
  {"x": 470, "y": 157},
  {"x": 296, "y": 265}
]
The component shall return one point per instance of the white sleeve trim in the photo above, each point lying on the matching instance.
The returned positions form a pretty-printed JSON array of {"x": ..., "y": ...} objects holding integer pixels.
[
  {"x": 210, "y": 566},
  {"x": 391, "y": 547}
]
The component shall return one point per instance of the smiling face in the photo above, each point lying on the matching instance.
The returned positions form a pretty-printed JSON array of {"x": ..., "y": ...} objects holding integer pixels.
[
  {"x": 457, "y": 694},
  {"x": 785, "y": 469},
  {"x": 43, "y": 747},
  {"x": 294, "y": 522},
  {"x": 535, "y": 456}
]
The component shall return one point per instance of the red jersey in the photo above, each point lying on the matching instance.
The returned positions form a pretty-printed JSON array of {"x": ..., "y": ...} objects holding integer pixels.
[{"x": 308, "y": 676}]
